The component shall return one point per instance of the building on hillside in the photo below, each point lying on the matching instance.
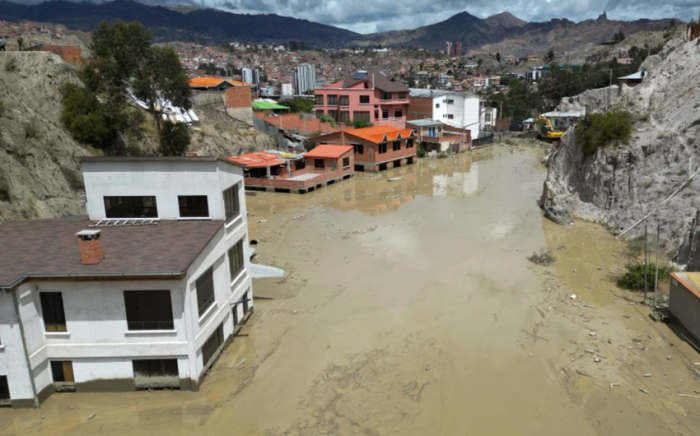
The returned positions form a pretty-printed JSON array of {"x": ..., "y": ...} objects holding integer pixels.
[
  {"x": 684, "y": 301},
  {"x": 211, "y": 83},
  {"x": 251, "y": 75},
  {"x": 448, "y": 48},
  {"x": 456, "y": 109},
  {"x": 285, "y": 172},
  {"x": 375, "y": 148},
  {"x": 458, "y": 48},
  {"x": 487, "y": 120},
  {"x": 370, "y": 96},
  {"x": 533, "y": 74},
  {"x": 434, "y": 135},
  {"x": 305, "y": 78},
  {"x": 287, "y": 90},
  {"x": 143, "y": 293},
  {"x": 632, "y": 80}
]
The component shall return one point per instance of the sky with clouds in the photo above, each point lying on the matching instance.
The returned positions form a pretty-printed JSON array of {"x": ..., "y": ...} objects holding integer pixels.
[{"x": 381, "y": 15}]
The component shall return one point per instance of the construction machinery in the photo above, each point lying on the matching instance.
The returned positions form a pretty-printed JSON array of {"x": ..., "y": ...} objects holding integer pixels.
[{"x": 546, "y": 130}]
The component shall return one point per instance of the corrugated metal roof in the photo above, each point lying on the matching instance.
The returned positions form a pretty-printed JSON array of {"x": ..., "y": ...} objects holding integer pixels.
[
  {"x": 561, "y": 114},
  {"x": 266, "y": 105},
  {"x": 424, "y": 123},
  {"x": 433, "y": 93},
  {"x": 639, "y": 75},
  {"x": 380, "y": 80}
]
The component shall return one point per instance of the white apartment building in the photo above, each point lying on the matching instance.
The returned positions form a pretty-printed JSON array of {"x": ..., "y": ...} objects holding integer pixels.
[
  {"x": 143, "y": 293},
  {"x": 488, "y": 119},
  {"x": 305, "y": 78},
  {"x": 456, "y": 109},
  {"x": 250, "y": 75}
]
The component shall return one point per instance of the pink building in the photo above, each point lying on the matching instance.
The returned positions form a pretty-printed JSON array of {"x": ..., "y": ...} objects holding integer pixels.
[{"x": 371, "y": 96}]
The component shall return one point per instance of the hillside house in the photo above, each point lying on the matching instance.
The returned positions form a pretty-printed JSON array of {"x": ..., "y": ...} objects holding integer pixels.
[
  {"x": 282, "y": 172},
  {"x": 684, "y": 301},
  {"x": 375, "y": 148},
  {"x": 371, "y": 96},
  {"x": 434, "y": 135},
  {"x": 455, "y": 109},
  {"x": 143, "y": 293},
  {"x": 632, "y": 80}
]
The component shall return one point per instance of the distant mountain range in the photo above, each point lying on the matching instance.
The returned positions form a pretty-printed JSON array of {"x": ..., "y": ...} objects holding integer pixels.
[{"x": 502, "y": 31}]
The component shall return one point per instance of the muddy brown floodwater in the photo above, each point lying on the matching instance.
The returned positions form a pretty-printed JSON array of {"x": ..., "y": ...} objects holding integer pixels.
[{"x": 410, "y": 308}]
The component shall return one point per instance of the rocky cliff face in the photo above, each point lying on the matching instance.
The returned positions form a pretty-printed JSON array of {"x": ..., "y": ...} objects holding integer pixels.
[
  {"x": 622, "y": 183},
  {"x": 40, "y": 175}
]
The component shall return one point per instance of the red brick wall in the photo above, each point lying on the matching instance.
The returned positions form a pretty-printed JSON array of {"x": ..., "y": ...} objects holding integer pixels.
[
  {"x": 295, "y": 121},
  {"x": 69, "y": 53},
  {"x": 90, "y": 251},
  {"x": 238, "y": 97},
  {"x": 420, "y": 108},
  {"x": 370, "y": 155}
]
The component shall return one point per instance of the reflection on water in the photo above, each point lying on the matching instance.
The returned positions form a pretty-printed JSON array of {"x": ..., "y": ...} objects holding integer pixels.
[{"x": 456, "y": 176}]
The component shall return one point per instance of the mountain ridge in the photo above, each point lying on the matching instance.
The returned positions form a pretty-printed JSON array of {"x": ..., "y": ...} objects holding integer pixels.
[{"x": 503, "y": 31}]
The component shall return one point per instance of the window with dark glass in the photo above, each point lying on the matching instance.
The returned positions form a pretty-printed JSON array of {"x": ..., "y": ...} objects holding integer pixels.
[
  {"x": 385, "y": 114},
  {"x": 381, "y": 148},
  {"x": 402, "y": 96},
  {"x": 333, "y": 114},
  {"x": 437, "y": 105},
  {"x": 364, "y": 99},
  {"x": 344, "y": 116},
  {"x": 344, "y": 100},
  {"x": 450, "y": 116},
  {"x": 131, "y": 207},
  {"x": 319, "y": 99},
  {"x": 155, "y": 368},
  {"x": 360, "y": 116},
  {"x": 212, "y": 344},
  {"x": 319, "y": 163},
  {"x": 148, "y": 310},
  {"x": 193, "y": 206},
  {"x": 346, "y": 162},
  {"x": 52, "y": 310},
  {"x": 205, "y": 291},
  {"x": 398, "y": 113},
  {"x": 235, "y": 259},
  {"x": 319, "y": 114},
  {"x": 62, "y": 371},
  {"x": 332, "y": 100},
  {"x": 397, "y": 145},
  {"x": 4, "y": 388},
  {"x": 232, "y": 206},
  {"x": 409, "y": 143},
  {"x": 376, "y": 114},
  {"x": 383, "y": 95},
  {"x": 359, "y": 148}
]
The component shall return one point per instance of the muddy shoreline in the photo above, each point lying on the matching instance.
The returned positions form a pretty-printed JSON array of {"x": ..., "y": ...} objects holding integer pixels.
[{"x": 409, "y": 307}]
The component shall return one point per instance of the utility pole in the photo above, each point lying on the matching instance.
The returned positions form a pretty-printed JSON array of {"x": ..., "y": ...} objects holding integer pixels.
[
  {"x": 646, "y": 260},
  {"x": 656, "y": 276}
]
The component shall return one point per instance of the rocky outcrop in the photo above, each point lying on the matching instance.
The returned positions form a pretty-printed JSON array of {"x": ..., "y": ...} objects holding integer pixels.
[
  {"x": 40, "y": 175},
  {"x": 622, "y": 183}
]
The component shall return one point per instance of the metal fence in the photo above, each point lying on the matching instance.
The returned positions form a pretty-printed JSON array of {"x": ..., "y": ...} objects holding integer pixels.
[{"x": 483, "y": 140}]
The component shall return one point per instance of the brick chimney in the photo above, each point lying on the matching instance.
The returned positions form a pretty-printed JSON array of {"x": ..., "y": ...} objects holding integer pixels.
[{"x": 90, "y": 247}]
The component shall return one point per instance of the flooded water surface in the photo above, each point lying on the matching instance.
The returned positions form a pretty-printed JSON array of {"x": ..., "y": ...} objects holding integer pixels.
[{"x": 409, "y": 308}]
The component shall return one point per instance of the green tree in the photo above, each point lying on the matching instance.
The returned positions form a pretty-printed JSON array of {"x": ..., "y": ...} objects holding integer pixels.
[
  {"x": 125, "y": 61},
  {"x": 498, "y": 57},
  {"x": 299, "y": 104},
  {"x": 174, "y": 139},
  {"x": 550, "y": 54},
  {"x": 86, "y": 118}
]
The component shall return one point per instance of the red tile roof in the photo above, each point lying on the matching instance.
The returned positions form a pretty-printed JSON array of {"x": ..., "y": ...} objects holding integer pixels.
[
  {"x": 257, "y": 159},
  {"x": 213, "y": 82},
  {"x": 329, "y": 151},
  {"x": 379, "y": 134}
]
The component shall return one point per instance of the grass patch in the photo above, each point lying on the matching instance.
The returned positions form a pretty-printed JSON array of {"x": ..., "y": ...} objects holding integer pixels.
[
  {"x": 542, "y": 257},
  {"x": 633, "y": 279}
]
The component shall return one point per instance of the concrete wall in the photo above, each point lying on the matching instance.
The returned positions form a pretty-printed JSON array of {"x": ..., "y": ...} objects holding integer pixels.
[
  {"x": 238, "y": 104},
  {"x": 685, "y": 306},
  {"x": 164, "y": 180},
  {"x": 13, "y": 363}
]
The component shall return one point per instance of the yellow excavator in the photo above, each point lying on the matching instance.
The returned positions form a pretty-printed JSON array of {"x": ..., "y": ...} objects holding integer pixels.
[{"x": 546, "y": 131}]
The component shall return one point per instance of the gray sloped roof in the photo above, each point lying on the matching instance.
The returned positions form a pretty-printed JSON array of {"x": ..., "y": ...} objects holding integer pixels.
[
  {"x": 433, "y": 93},
  {"x": 49, "y": 247},
  {"x": 381, "y": 81}
]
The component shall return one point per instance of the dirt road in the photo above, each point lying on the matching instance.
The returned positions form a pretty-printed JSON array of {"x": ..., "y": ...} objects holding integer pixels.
[{"x": 410, "y": 308}]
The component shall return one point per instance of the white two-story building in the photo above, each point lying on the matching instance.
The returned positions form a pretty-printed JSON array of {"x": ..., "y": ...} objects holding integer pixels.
[
  {"x": 457, "y": 109},
  {"x": 143, "y": 293}
]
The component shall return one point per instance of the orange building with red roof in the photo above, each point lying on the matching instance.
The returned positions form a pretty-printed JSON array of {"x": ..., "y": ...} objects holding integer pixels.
[
  {"x": 324, "y": 165},
  {"x": 375, "y": 148}
]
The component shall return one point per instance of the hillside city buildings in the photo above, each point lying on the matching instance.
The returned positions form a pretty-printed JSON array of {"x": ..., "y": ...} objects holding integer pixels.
[
  {"x": 371, "y": 96},
  {"x": 304, "y": 78},
  {"x": 142, "y": 293}
]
